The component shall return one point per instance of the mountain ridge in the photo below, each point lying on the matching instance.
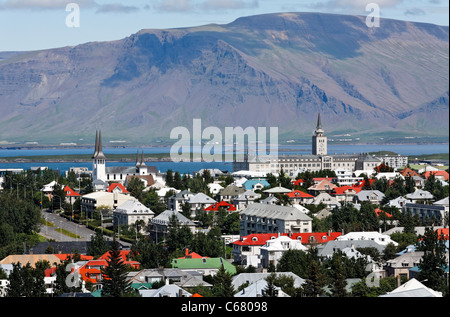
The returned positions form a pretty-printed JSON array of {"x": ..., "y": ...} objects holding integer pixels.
[{"x": 268, "y": 70}]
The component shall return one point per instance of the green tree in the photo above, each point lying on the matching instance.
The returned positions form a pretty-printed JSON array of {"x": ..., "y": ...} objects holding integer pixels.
[
  {"x": 98, "y": 245},
  {"x": 338, "y": 284},
  {"x": 433, "y": 263},
  {"x": 136, "y": 188},
  {"x": 315, "y": 280},
  {"x": 150, "y": 255},
  {"x": 222, "y": 285},
  {"x": 115, "y": 282}
]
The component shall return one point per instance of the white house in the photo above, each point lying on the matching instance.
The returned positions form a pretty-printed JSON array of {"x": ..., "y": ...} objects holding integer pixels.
[
  {"x": 377, "y": 237},
  {"x": 274, "y": 249},
  {"x": 91, "y": 201},
  {"x": 214, "y": 188},
  {"x": 131, "y": 211},
  {"x": 199, "y": 202}
]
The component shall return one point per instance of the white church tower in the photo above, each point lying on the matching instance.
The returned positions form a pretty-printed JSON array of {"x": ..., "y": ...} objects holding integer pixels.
[
  {"x": 319, "y": 140},
  {"x": 98, "y": 159}
]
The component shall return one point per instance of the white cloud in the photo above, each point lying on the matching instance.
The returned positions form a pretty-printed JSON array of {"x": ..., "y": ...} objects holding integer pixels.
[
  {"x": 229, "y": 4},
  {"x": 42, "y": 4},
  {"x": 174, "y": 5},
  {"x": 203, "y": 5},
  {"x": 61, "y": 5}
]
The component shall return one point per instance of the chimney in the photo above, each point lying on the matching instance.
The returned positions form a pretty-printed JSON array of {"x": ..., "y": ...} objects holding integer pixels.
[{"x": 187, "y": 252}]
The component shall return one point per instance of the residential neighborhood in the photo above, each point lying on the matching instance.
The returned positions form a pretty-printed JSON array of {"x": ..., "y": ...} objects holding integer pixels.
[{"x": 220, "y": 234}]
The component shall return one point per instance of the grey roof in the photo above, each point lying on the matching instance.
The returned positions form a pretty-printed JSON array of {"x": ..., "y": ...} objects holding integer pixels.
[
  {"x": 368, "y": 158},
  {"x": 120, "y": 169},
  {"x": 164, "y": 218},
  {"x": 201, "y": 198},
  {"x": 277, "y": 190},
  {"x": 364, "y": 194},
  {"x": 133, "y": 206},
  {"x": 231, "y": 190},
  {"x": 250, "y": 278},
  {"x": 275, "y": 212},
  {"x": 329, "y": 248},
  {"x": 420, "y": 194},
  {"x": 443, "y": 201}
]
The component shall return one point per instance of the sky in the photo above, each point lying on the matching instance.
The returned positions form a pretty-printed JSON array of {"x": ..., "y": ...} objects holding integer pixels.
[{"x": 42, "y": 24}]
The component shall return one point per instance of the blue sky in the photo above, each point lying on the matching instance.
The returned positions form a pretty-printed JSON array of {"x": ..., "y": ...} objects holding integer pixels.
[{"x": 41, "y": 24}]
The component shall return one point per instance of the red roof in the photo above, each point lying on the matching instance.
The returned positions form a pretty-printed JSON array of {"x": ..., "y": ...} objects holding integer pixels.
[
  {"x": 192, "y": 255},
  {"x": 315, "y": 237},
  {"x": 341, "y": 190},
  {"x": 378, "y": 211},
  {"x": 124, "y": 255},
  {"x": 363, "y": 182},
  {"x": 222, "y": 204},
  {"x": 70, "y": 192},
  {"x": 443, "y": 231},
  {"x": 436, "y": 173},
  {"x": 64, "y": 257},
  {"x": 115, "y": 185},
  {"x": 256, "y": 239},
  {"x": 299, "y": 194}
]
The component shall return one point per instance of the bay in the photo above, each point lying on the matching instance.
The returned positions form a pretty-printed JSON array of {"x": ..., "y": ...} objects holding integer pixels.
[{"x": 190, "y": 167}]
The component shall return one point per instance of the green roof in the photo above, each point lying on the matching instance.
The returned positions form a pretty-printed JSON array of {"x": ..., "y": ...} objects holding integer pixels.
[{"x": 204, "y": 263}]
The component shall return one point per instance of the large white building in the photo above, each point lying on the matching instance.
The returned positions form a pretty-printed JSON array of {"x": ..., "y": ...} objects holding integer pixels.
[
  {"x": 119, "y": 174},
  {"x": 317, "y": 161}
]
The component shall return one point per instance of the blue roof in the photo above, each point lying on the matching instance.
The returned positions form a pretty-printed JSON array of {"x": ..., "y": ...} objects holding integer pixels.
[{"x": 248, "y": 185}]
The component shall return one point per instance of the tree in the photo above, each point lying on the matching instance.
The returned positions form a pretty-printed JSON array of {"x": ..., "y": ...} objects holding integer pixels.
[
  {"x": 98, "y": 245},
  {"x": 270, "y": 290},
  {"x": 150, "y": 255},
  {"x": 26, "y": 281},
  {"x": 222, "y": 285},
  {"x": 338, "y": 278},
  {"x": 433, "y": 263},
  {"x": 136, "y": 188},
  {"x": 115, "y": 282},
  {"x": 315, "y": 280}
]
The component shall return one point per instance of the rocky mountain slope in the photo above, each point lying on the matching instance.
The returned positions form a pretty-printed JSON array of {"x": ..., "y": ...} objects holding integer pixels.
[{"x": 261, "y": 71}]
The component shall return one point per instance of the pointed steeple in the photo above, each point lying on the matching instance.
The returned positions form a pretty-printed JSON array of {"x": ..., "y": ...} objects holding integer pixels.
[
  {"x": 142, "y": 159},
  {"x": 319, "y": 122},
  {"x": 96, "y": 145},
  {"x": 137, "y": 159},
  {"x": 100, "y": 154},
  {"x": 319, "y": 129}
]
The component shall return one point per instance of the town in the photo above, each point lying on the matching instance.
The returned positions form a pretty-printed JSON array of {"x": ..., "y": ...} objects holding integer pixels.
[{"x": 315, "y": 225}]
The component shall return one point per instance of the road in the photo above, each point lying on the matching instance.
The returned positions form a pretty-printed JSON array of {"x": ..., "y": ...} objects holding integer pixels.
[
  {"x": 61, "y": 222},
  {"x": 58, "y": 222}
]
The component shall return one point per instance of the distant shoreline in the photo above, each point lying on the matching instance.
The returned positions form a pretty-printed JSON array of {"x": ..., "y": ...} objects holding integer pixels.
[
  {"x": 161, "y": 157},
  {"x": 280, "y": 146}
]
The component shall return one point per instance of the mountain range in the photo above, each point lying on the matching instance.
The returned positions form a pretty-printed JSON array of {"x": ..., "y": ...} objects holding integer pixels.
[{"x": 273, "y": 70}]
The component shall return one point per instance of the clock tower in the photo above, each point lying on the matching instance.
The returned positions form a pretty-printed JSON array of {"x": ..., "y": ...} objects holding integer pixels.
[{"x": 319, "y": 140}]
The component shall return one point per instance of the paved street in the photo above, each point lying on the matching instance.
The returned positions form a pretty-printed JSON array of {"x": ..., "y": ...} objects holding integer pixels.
[
  {"x": 60, "y": 222},
  {"x": 77, "y": 229}
]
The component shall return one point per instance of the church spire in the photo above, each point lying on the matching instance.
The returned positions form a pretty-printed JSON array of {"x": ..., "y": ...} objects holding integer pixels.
[
  {"x": 319, "y": 129},
  {"x": 142, "y": 159},
  {"x": 319, "y": 123},
  {"x": 98, "y": 154},
  {"x": 96, "y": 145}
]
